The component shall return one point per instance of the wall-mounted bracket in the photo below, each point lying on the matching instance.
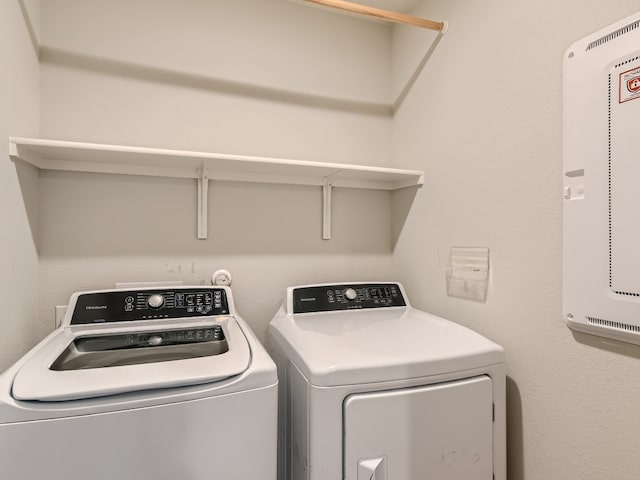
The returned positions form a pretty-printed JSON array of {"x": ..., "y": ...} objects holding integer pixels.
[
  {"x": 203, "y": 202},
  {"x": 327, "y": 186}
]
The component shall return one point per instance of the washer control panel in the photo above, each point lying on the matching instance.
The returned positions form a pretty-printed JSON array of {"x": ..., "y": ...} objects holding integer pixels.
[
  {"x": 127, "y": 306},
  {"x": 327, "y": 298}
]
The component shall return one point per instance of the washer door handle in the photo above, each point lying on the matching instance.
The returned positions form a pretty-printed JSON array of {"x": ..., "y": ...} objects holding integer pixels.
[{"x": 372, "y": 469}]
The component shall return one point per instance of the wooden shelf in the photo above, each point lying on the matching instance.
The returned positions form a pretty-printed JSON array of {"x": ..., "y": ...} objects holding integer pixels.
[
  {"x": 380, "y": 14},
  {"x": 203, "y": 166}
]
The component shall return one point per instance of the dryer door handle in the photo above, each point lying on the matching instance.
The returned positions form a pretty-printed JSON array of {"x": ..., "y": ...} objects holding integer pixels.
[{"x": 372, "y": 469}]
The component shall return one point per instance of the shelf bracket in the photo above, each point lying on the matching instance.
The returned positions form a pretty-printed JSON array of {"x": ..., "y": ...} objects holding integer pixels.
[
  {"x": 203, "y": 202},
  {"x": 327, "y": 186}
]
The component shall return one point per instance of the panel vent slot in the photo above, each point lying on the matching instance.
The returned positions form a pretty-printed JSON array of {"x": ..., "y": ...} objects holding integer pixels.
[
  {"x": 617, "y": 325},
  {"x": 614, "y": 35},
  {"x": 627, "y": 294}
]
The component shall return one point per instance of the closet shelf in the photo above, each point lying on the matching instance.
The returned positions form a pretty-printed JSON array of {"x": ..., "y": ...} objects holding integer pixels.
[
  {"x": 380, "y": 14},
  {"x": 99, "y": 158},
  {"x": 203, "y": 166}
]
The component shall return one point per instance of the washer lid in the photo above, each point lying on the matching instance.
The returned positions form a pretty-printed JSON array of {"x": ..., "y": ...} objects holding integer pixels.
[
  {"x": 355, "y": 347},
  {"x": 85, "y": 362}
]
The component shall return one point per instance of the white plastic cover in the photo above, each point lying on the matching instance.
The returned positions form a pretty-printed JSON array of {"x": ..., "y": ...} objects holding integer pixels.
[{"x": 601, "y": 233}]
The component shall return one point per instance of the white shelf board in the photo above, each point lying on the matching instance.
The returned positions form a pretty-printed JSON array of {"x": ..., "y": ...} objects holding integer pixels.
[
  {"x": 117, "y": 159},
  {"x": 203, "y": 166}
]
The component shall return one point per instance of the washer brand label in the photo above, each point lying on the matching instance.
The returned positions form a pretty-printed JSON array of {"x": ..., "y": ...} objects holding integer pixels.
[
  {"x": 96, "y": 307},
  {"x": 629, "y": 85},
  {"x": 308, "y": 299}
]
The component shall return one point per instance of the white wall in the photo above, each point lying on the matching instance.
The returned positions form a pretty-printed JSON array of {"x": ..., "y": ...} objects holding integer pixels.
[
  {"x": 275, "y": 78},
  {"x": 19, "y": 102},
  {"x": 484, "y": 121},
  {"x": 257, "y": 77}
]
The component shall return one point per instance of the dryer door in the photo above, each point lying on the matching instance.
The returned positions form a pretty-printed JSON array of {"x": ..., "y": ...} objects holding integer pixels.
[{"x": 442, "y": 431}]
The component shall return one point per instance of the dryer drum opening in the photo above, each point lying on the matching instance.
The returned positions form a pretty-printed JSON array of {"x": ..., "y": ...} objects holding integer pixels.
[{"x": 143, "y": 347}]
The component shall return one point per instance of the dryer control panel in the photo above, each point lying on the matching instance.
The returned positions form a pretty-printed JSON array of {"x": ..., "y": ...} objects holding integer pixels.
[
  {"x": 327, "y": 298},
  {"x": 127, "y": 306}
]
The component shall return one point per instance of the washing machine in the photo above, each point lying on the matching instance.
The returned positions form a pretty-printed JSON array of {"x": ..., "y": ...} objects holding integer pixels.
[
  {"x": 373, "y": 389},
  {"x": 157, "y": 384}
]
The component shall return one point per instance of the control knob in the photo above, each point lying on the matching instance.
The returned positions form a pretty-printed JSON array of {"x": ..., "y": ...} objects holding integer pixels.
[
  {"x": 156, "y": 300},
  {"x": 351, "y": 294}
]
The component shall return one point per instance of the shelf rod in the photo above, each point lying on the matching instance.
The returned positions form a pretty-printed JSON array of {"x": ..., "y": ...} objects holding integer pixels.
[{"x": 381, "y": 14}]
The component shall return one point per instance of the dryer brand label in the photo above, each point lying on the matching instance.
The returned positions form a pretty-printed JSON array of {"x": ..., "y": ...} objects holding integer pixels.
[{"x": 629, "y": 85}]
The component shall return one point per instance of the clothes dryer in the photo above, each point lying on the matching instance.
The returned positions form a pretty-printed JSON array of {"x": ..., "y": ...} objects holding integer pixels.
[
  {"x": 146, "y": 384},
  {"x": 373, "y": 389}
]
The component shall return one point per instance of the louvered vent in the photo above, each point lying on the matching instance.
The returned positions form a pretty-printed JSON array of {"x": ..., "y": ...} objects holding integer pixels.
[
  {"x": 614, "y": 35},
  {"x": 617, "y": 325}
]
